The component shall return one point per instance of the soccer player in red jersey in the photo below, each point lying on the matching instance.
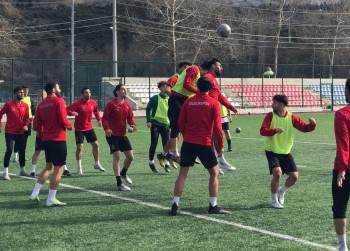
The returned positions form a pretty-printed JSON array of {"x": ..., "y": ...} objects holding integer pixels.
[
  {"x": 171, "y": 145},
  {"x": 17, "y": 122},
  {"x": 199, "y": 119},
  {"x": 83, "y": 110},
  {"x": 117, "y": 113},
  {"x": 341, "y": 171},
  {"x": 51, "y": 119},
  {"x": 26, "y": 99},
  {"x": 214, "y": 70},
  {"x": 184, "y": 88},
  {"x": 278, "y": 128},
  {"x": 39, "y": 144}
]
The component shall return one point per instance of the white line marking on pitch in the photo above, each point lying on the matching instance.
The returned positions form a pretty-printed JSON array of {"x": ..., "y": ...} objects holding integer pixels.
[{"x": 199, "y": 216}]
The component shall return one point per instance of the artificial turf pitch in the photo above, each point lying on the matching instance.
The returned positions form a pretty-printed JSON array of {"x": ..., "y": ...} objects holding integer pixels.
[{"x": 93, "y": 221}]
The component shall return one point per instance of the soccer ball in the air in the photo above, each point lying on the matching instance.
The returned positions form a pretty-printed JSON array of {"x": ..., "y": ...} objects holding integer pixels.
[
  {"x": 224, "y": 30},
  {"x": 238, "y": 130}
]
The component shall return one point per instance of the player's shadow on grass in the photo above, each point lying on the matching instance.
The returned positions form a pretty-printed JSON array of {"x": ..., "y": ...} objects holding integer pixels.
[
  {"x": 231, "y": 208},
  {"x": 251, "y": 208},
  {"x": 85, "y": 175}
]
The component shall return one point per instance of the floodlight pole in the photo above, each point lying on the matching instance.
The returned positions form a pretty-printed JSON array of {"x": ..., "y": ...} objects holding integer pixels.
[
  {"x": 72, "y": 53},
  {"x": 115, "y": 41}
]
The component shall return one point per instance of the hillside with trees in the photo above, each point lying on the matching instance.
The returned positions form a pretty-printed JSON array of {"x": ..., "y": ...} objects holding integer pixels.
[{"x": 272, "y": 33}]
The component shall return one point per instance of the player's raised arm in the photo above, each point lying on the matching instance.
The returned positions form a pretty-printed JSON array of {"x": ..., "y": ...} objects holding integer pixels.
[{"x": 299, "y": 124}]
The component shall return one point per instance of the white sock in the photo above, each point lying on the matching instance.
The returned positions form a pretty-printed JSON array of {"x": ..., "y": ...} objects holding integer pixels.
[
  {"x": 222, "y": 158},
  {"x": 341, "y": 239},
  {"x": 274, "y": 197},
  {"x": 176, "y": 200},
  {"x": 213, "y": 201},
  {"x": 33, "y": 168},
  {"x": 151, "y": 162},
  {"x": 97, "y": 162},
  {"x": 174, "y": 153},
  {"x": 36, "y": 189},
  {"x": 167, "y": 162},
  {"x": 6, "y": 170},
  {"x": 52, "y": 194},
  {"x": 283, "y": 189},
  {"x": 16, "y": 156},
  {"x": 79, "y": 163},
  {"x": 65, "y": 167}
]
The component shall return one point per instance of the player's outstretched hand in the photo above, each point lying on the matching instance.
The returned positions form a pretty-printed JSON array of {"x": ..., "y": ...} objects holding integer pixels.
[
  {"x": 75, "y": 114},
  {"x": 279, "y": 130},
  {"x": 340, "y": 178},
  {"x": 312, "y": 121},
  {"x": 108, "y": 133},
  {"x": 25, "y": 128},
  {"x": 149, "y": 124}
]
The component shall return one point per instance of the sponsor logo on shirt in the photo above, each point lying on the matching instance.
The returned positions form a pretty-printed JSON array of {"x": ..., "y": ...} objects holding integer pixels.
[{"x": 197, "y": 103}]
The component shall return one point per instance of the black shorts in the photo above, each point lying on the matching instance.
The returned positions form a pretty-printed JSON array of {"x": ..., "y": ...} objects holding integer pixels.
[
  {"x": 39, "y": 144},
  {"x": 340, "y": 196},
  {"x": 189, "y": 153},
  {"x": 284, "y": 161},
  {"x": 175, "y": 105},
  {"x": 89, "y": 135},
  {"x": 117, "y": 143},
  {"x": 55, "y": 152},
  {"x": 225, "y": 126}
]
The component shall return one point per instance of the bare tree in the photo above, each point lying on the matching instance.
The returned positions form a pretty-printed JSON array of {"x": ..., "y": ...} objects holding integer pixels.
[
  {"x": 339, "y": 30},
  {"x": 10, "y": 45},
  {"x": 169, "y": 24},
  {"x": 281, "y": 19}
]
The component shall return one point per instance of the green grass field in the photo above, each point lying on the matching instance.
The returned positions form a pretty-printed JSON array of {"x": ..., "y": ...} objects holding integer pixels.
[{"x": 94, "y": 221}]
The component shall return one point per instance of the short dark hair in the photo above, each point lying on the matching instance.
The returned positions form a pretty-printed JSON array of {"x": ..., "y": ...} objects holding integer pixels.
[
  {"x": 207, "y": 64},
  {"x": 161, "y": 83},
  {"x": 347, "y": 84},
  {"x": 25, "y": 87},
  {"x": 281, "y": 98},
  {"x": 49, "y": 87},
  {"x": 84, "y": 89},
  {"x": 204, "y": 84},
  {"x": 17, "y": 89},
  {"x": 117, "y": 88},
  {"x": 182, "y": 64}
]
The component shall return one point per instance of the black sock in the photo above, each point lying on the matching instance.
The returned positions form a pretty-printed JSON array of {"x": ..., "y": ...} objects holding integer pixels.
[
  {"x": 119, "y": 180},
  {"x": 123, "y": 172},
  {"x": 229, "y": 143}
]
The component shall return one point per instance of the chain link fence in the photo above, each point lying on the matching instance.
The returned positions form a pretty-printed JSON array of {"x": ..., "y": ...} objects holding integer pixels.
[{"x": 306, "y": 85}]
